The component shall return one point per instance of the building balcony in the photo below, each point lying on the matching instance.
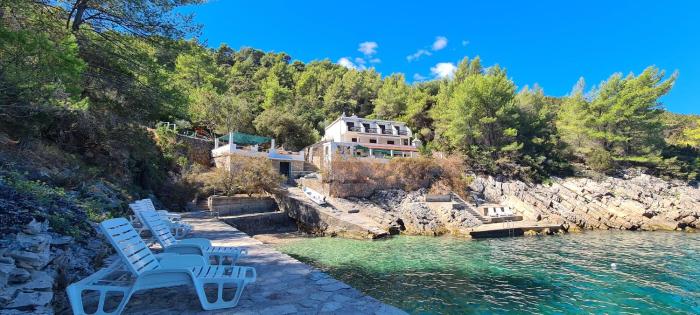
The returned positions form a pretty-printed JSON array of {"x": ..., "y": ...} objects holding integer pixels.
[
  {"x": 371, "y": 130},
  {"x": 356, "y": 129},
  {"x": 403, "y": 133},
  {"x": 387, "y": 132}
]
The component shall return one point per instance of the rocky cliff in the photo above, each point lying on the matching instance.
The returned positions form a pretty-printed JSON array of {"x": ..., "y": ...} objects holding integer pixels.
[
  {"x": 633, "y": 202},
  {"x": 46, "y": 243}
]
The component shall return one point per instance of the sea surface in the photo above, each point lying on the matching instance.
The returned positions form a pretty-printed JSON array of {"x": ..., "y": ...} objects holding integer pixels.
[{"x": 604, "y": 272}]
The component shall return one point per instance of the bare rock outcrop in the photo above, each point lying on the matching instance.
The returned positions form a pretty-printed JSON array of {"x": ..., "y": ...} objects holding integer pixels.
[
  {"x": 634, "y": 202},
  {"x": 409, "y": 213}
]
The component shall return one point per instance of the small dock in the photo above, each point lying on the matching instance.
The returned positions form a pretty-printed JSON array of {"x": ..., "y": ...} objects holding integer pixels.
[
  {"x": 284, "y": 285},
  {"x": 328, "y": 219},
  {"x": 510, "y": 229}
]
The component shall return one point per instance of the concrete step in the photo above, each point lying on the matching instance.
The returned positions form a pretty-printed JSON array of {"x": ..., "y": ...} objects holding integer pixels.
[{"x": 261, "y": 223}]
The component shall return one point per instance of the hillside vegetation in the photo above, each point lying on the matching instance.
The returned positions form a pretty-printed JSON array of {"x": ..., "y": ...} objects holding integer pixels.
[{"x": 81, "y": 80}]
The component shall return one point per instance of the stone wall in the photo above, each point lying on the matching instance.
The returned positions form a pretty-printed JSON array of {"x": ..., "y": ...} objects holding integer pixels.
[
  {"x": 198, "y": 150},
  {"x": 311, "y": 219},
  {"x": 635, "y": 202},
  {"x": 36, "y": 265},
  {"x": 271, "y": 222},
  {"x": 241, "y": 204}
]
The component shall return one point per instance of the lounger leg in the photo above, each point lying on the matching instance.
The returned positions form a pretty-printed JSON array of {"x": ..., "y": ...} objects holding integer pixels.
[
  {"x": 75, "y": 292},
  {"x": 220, "y": 302}
]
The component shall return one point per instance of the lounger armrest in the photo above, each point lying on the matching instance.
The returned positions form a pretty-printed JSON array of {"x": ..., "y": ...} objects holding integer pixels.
[
  {"x": 254, "y": 275},
  {"x": 202, "y": 242},
  {"x": 184, "y": 249},
  {"x": 170, "y": 214},
  {"x": 182, "y": 262},
  {"x": 167, "y": 255}
]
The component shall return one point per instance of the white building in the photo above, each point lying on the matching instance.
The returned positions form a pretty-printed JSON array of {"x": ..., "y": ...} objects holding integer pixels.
[
  {"x": 290, "y": 164},
  {"x": 363, "y": 138}
]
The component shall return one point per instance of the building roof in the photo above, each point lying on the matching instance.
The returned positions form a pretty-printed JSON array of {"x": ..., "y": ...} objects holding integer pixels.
[
  {"x": 245, "y": 139},
  {"x": 353, "y": 117}
]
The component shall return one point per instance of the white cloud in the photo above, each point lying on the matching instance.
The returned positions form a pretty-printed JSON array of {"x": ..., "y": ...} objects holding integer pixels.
[
  {"x": 375, "y": 60},
  {"x": 465, "y": 43},
  {"x": 440, "y": 43},
  {"x": 419, "y": 77},
  {"x": 368, "y": 48},
  {"x": 418, "y": 54},
  {"x": 345, "y": 62},
  {"x": 443, "y": 70},
  {"x": 359, "y": 63}
]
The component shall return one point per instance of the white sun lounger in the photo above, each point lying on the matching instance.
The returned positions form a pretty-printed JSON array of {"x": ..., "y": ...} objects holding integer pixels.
[
  {"x": 222, "y": 255},
  {"x": 179, "y": 229},
  {"x": 150, "y": 273},
  {"x": 507, "y": 211},
  {"x": 492, "y": 212},
  {"x": 173, "y": 217}
]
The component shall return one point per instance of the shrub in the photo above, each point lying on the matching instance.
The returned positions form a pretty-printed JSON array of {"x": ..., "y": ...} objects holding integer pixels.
[
  {"x": 248, "y": 175},
  {"x": 441, "y": 175},
  {"x": 600, "y": 160}
]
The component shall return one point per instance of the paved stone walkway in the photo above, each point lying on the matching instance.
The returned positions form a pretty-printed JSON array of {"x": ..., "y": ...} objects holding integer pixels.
[{"x": 284, "y": 285}]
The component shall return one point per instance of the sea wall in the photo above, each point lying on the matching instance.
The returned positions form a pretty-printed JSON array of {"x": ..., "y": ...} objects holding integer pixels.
[
  {"x": 241, "y": 204},
  {"x": 634, "y": 202},
  {"x": 311, "y": 219}
]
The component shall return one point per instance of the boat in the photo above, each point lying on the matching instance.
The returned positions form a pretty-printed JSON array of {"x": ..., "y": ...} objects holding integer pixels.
[{"x": 315, "y": 196}]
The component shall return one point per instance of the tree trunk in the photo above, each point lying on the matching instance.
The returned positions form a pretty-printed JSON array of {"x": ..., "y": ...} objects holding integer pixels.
[{"x": 79, "y": 8}]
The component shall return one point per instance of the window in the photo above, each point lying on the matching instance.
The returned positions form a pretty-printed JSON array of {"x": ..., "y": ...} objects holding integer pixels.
[
  {"x": 354, "y": 139},
  {"x": 390, "y": 142},
  {"x": 405, "y": 141},
  {"x": 372, "y": 140}
]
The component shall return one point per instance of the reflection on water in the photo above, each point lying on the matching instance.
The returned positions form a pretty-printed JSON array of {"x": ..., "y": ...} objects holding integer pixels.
[{"x": 656, "y": 272}]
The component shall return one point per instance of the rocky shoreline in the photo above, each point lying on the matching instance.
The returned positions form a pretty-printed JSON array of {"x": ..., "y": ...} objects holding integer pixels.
[
  {"x": 36, "y": 262},
  {"x": 635, "y": 202}
]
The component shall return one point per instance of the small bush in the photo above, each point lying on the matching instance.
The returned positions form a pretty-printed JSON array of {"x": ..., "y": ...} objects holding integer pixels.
[
  {"x": 441, "y": 175},
  {"x": 600, "y": 160},
  {"x": 248, "y": 175}
]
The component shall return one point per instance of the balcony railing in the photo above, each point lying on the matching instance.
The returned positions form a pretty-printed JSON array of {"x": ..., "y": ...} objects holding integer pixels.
[
  {"x": 371, "y": 130},
  {"x": 403, "y": 132},
  {"x": 387, "y": 132},
  {"x": 357, "y": 129}
]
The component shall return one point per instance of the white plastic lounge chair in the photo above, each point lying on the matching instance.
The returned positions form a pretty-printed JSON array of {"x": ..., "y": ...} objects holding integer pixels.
[
  {"x": 173, "y": 217},
  {"x": 150, "y": 273},
  {"x": 492, "y": 212},
  {"x": 179, "y": 229},
  {"x": 315, "y": 196},
  {"x": 508, "y": 211},
  {"x": 222, "y": 255}
]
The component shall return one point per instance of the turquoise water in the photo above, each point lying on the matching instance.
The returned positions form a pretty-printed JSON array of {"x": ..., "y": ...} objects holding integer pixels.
[{"x": 656, "y": 273}]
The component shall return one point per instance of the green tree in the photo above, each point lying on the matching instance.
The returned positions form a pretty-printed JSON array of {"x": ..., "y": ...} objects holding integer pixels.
[
  {"x": 480, "y": 118},
  {"x": 621, "y": 116},
  {"x": 392, "y": 98}
]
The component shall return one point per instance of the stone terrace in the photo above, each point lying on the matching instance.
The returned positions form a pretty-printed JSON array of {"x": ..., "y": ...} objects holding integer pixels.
[{"x": 284, "y": 285}]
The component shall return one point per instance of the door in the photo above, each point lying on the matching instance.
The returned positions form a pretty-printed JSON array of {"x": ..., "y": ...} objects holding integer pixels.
[{"x": 286, "y": 169}]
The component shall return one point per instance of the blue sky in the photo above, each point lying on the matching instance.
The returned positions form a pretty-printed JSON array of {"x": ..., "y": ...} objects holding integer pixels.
[{"x": 551, "y": 43}]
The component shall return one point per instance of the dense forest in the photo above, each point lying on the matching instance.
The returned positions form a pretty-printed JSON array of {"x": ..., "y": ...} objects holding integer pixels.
[{"x": 81, "y": 79}]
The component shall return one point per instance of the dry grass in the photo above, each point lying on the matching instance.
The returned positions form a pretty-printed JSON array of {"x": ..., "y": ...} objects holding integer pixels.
[
  {"x": 364, "y": 176},
  {"x": 248, "y": 175}
]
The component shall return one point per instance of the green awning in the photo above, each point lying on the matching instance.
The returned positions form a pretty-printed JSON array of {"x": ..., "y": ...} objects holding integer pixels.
[
  {"x": 245, "y": 139},
  {"x": 363, "y": 148},
  {"x": 385, "y": 152}
]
